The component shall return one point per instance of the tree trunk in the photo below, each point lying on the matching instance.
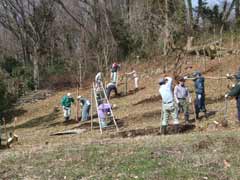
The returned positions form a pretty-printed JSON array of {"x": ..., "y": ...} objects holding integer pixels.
[
  {"x": 189, "y": 14},
  {"x": 237, "y": 6},
  {"x": 199, "y": 13},
  {"x": 128, "y": 10},
  {"x": 227, "y": 13},
  {"x": 166, "y": 30},
  {"x": 35, "y": 69}
]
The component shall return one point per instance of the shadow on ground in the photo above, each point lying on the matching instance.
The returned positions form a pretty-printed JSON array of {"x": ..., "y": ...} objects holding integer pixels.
[
  {"x": 215, "y": 99},
  {"x": 111, "y": 125},
  {"x": 153, "y": 131},
  {"x": 149, "y": 100},
  {"x": 130, "y": 92},
  {"x": 10, "y": 114},
  {"x": 40, "y": 121}
]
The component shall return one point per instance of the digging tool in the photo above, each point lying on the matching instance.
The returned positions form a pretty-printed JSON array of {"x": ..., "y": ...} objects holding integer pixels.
[
  {"x": 194, "y": 111},
  {"x": 225, "y": 122},
  {"x": 126, "y": 85},
  {"x": 5, "y": 127},
  {"x": 14, "y": 127},
  {"x": 77, "y": 105},
  {"x": 193, "y": 107},
  {"x": 91, "y": 109}
]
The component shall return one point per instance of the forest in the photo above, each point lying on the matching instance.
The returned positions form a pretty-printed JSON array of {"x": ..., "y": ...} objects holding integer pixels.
[{"x": 51, "y": 44}]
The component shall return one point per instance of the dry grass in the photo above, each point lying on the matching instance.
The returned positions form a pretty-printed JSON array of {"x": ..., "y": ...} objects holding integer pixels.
[{"x": 91, "y": 156}]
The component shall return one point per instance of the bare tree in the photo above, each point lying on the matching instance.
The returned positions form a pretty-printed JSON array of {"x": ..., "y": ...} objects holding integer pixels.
[
  {"x": 20, "y": 17},
  {"x": 189, "y": 14}
]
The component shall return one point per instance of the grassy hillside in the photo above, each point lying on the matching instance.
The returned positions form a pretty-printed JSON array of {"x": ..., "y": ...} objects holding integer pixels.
[{"x": 209, "y": 151}]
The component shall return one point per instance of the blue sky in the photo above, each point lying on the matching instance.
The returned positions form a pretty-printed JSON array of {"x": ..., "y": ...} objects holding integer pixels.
[{"x": 211, "y": 2}]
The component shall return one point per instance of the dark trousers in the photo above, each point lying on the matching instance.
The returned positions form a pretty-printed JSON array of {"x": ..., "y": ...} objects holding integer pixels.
[
  {"x": 238, "y": 106},
  {"x": 200, "y": 103},
  {"x": 109, "y": 90}
]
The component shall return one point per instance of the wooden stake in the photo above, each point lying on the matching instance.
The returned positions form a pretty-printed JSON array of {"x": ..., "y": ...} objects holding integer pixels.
[
  {"x": 14, "y": 125},
  {"x": 193, "y": 107},
  {"x": 225, "y": 112},
  {"x": 91, "y": 109},
  {"x": 5, "y": 128},
  {"x": 126, "y": 85},
  {"x": 77, "y": 104}
]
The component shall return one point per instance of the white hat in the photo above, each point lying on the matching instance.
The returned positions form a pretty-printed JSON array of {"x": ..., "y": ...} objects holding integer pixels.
[
  {"x": 69, "y": 94},
  {"x": 79, "y": 97}
]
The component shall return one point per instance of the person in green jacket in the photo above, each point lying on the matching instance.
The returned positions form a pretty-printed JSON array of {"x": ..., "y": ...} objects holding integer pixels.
[
  {"x": 235, "y": 92},
  {"x": 66, "y": 103}
]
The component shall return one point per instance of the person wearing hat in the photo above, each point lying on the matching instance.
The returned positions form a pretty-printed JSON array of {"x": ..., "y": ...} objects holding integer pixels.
[
  {"x": 182, "y": 98},
  {"x": 200, "y": 94},
  {"x": 114, "y": 72},
  {"x": 168, "y": 105},
  {"x": 66, "y": 103},
  {"x": 86, "y": 105}
]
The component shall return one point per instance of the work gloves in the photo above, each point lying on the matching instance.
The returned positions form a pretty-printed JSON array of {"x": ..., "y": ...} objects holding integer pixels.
[
  {"x": 199, "y": 96},
  {"x": 229, "y": 76}
]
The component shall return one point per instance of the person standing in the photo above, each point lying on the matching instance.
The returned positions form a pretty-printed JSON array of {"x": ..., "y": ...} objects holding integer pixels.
[
  {"x": 168, "y": 106},
  {"x": 133, "y": 73},
  {"x": 98, "y": 80},
  {"x": 114, "y": 72},
  {"x": 235, "y": 92},
  {"x": 86, "y": 105},
  {"x": 66, "y": 103},
  {"x": 200, "y": 94},
  {"x": 182, "y": 98}
]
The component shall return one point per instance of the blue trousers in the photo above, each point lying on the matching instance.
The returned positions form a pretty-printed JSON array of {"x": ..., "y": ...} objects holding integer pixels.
[
  {"x": 238, "y": 106},
  {"x": 200, "y": 103},
  {"x": 85, "y": 112}
]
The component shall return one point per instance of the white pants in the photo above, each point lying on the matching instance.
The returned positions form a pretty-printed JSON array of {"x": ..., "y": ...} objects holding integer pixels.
[
  {"x": 66, "y": 112},
  {"x": 136, "y": 82}
]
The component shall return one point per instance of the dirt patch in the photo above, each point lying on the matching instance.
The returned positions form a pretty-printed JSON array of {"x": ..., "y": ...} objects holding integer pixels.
[
  {"x": 204, "y": 144},
  {"x": 87, "y": 125},
  {"x": 231, "y": 141},
  {"x": 169, "y": 151},
  {"x": 138, "y": 132},
  {"x": 153, "y": 131}
]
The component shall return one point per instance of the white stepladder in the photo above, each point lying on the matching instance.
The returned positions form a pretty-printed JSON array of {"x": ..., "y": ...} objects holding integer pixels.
[{"x": 99, "y": 95}]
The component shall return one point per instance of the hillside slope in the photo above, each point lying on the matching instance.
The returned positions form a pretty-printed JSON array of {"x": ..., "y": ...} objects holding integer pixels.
[{"x": 208, "y": 151}]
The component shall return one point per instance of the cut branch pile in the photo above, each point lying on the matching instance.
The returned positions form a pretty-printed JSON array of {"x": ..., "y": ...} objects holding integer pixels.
[{"x": 213, "y": 49}]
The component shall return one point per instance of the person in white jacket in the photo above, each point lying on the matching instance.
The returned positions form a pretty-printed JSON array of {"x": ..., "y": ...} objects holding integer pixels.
[
  {"x": 134, "y": 75},
  {"x": 98, "y": 79}
]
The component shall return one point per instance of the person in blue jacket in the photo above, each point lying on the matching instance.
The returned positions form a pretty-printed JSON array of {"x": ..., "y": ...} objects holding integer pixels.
[
  {"x": 86, "y": 105},
  {"x": 200, "y": 94}
]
